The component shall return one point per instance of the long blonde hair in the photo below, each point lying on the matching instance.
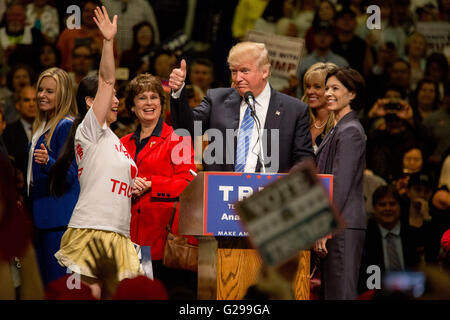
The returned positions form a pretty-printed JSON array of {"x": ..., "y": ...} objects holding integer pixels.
[
  {"x": 65, "y": 103},
  {"x": 321, "y": 68}
]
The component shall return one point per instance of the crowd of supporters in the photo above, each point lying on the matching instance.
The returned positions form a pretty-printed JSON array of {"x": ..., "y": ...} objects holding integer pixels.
[{"x": 406, "y": 113}]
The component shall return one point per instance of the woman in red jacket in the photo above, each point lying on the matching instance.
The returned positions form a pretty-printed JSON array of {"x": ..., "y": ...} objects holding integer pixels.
[{"x": 163, "y": 160}]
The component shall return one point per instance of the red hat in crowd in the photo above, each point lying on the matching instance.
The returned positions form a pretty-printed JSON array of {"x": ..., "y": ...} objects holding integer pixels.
[
  {"x": 60, "y": 290},
  {"x": 141, "y": 288},
  {"x": 445, "y": 241},
  {"x": 367, "y": 295}
]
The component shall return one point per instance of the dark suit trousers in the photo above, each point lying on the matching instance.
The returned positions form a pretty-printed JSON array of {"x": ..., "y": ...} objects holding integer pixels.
[{"x": 341, "y": 265}]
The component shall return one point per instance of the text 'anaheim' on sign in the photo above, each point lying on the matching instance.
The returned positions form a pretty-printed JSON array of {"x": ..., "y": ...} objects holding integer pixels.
[{"x": 288, "y": 215}]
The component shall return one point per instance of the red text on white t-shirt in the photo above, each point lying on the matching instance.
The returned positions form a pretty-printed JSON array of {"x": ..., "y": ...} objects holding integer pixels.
[
  {"x": 121, "y": 187},
  {"x": 79, "y": 151},
  {"x": 122, "y": 149}
]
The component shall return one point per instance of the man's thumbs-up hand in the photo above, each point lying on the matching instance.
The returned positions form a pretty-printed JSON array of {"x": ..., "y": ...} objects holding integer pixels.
[{"x": 177, "y": 76}]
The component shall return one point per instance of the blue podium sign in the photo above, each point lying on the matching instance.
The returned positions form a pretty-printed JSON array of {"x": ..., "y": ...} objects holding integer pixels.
[{"x": 223, "y": 190}]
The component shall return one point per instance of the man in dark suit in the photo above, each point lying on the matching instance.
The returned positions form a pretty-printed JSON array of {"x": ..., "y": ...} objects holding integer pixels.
[
  {"x": 391, "y": 244},
  {"x": 17, "y": 135},
  {"x": 223, "y": 114}
]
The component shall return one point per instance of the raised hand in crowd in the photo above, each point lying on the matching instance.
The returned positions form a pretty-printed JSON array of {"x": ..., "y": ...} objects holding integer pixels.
[
  {"x": 402, "y": 185},
  {"x": 401, "y": 108},
  {"x": 177, "y": 76},
  {"x": 377, "y": 109},
  {"x": 104, "y": 24},
  {"x": 419, "y": 212},
  {"x": 103, "y": 267},
  {"x": 106, "y": 74},
  {"x": 441, "y": 199},
  {"x": 405, "y": 112}
]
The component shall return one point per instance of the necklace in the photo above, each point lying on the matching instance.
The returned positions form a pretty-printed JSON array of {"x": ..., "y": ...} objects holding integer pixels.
[{"x": 321, "y": 126}]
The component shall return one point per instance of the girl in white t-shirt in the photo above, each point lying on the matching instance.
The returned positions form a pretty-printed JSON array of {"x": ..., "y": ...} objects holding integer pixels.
[{"x": 106, "y": 173}]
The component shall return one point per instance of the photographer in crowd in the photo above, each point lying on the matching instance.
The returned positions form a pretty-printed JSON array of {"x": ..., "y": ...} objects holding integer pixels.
[
  {"x": 393, "y": 128},
  {"x": 391, "y": 132}
]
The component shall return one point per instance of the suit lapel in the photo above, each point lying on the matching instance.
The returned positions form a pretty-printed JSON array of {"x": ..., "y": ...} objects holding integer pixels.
[
  {"x": 274, "y": 112},
  {"x": 19, "y": 129},
  {"x": 233, "y": 107},
  {"x": 273, "y": 119},
  {"x": 23, "y": 134},
  {"x": 327, "y": 139},
  {"x": 153, "y": 144},
  {"x": 348, "y": 117},
  {"x": 18, "y": 135}
]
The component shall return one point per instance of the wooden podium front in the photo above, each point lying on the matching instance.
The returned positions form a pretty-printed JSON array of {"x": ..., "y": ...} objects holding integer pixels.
[{"x": 227, "y": 266}]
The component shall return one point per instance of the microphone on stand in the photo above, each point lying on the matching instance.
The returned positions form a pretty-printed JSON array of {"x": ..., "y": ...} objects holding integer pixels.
[{"x": 250, "y": 100}]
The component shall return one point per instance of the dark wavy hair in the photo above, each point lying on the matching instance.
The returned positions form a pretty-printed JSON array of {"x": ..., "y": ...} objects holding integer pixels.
[
  {"x": 383, "y": 191},
  {"x": 58, "y": 172},
  {"x": 353, "y": 81},
  {"x": 439, "y": 59},
  {"x": 136, "y": 28},
  {"x": 55, "y": 51},
  {"x": 415, "y": 95},
  {"x": 274, "y": 10},
  {"x": 141, "y": 83},
  {"x": 14, "y": 69},
  {"x": 316, "y": 19}
]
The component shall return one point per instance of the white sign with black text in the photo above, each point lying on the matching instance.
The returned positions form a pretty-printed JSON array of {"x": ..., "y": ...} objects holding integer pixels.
[
  {"x": 288, "y": 215},
  {"x": 285, "y": 54}
]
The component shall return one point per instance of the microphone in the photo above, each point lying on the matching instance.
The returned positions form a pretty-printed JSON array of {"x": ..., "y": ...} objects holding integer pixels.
[{"x": 250, "y": 100}]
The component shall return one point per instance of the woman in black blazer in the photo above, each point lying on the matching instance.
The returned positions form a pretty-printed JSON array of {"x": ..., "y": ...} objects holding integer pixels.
[{"x": 342, "y": 154}]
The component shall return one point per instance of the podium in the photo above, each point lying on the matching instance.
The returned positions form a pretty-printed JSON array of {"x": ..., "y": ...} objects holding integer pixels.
[{"x": 227, "y": 264}]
